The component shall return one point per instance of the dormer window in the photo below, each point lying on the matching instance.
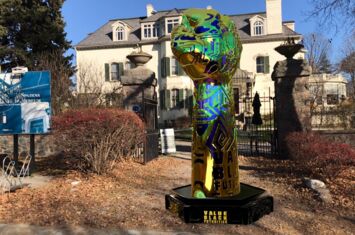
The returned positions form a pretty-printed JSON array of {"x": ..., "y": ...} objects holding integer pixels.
[
  {"x": 258, "y": 28},
  {"x": 150, "y": 30},
  {"x": 170, "y": 23},
  {"x": 120, "y": 31},
  {"x": 258, "y": 25}
]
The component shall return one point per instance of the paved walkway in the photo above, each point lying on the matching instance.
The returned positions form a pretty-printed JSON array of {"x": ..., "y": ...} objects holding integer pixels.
[
  {"x": 23, "y": 229},
  {"x": 36, "y": 180},
  {"x": 183, "y": 149}
]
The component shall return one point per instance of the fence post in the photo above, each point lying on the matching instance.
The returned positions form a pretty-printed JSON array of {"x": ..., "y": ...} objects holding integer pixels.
[{"x": 292, "y": 98}]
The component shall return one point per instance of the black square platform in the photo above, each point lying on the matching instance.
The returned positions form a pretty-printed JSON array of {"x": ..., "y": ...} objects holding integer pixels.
[{"x": 247, "y": 207}]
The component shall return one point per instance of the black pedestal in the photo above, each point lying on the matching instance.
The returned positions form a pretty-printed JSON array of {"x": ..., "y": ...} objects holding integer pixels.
[{"x": 247, "y": 207}]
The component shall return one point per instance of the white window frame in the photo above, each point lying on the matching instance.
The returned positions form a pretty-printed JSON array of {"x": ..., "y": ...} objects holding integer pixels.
[
  {"x": 332, "y": 99},
  {"x": 152, "y": 28},
  {"x": 147, "y": 31},
  {"x": 120, "y": 33},
  {"x": 156, "y": 30},
  {"x": 258, "y": 28},
  {"x": 260, "y": 64},
  {"x": 174, "y": 98},
  {"x": 112, "y": 77},
  {"x": 128, "y": 65},
  {"x": 174, "y": 21},
  {"x": 174, "y": 67}
]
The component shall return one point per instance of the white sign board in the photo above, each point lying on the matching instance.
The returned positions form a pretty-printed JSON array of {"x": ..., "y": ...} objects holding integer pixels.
[{"x": 167, "y": 139}]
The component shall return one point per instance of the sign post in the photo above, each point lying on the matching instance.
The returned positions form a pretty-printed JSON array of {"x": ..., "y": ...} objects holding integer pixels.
[
  {"x": 16, "y": 149},
  {"x": 32, "y": 153}
]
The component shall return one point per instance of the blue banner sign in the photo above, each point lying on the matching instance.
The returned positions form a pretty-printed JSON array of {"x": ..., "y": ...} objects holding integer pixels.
[{"x": 25, "y": 103}]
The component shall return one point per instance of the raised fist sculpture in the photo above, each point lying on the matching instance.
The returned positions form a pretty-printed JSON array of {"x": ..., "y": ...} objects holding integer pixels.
[{"x": 208, "y": 48}]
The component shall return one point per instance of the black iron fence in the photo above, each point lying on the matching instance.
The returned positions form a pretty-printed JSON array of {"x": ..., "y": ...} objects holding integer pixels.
[
  {"x": 151, "y": 145},
  {"x": 257, "y": 140},
  {"x": 149, "y": 149}
]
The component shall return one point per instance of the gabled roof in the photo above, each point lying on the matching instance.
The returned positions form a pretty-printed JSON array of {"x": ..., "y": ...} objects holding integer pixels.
[
  {"x": 102, "y": 37},
  {"x": 162, "y": 14},
  {"x": 257, "y": 16},
  {"x": 121, "y": 23}
]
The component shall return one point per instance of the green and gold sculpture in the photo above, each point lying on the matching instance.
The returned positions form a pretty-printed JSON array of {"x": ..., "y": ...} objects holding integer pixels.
[{"x": 208, "y": 48}]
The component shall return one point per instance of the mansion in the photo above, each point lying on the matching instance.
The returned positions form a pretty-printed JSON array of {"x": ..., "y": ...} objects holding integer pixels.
[{"x": 103, "y": 55}]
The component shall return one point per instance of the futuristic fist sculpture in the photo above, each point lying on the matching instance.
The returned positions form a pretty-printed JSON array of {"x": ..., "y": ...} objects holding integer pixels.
[{"x": 208, "y": 48}]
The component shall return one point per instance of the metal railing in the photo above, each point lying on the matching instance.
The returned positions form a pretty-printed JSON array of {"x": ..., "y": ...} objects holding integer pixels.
[{"x": 257, "y": 140}]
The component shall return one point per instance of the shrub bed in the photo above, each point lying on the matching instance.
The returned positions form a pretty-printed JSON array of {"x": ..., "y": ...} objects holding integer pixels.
[
  {"x": 319, "y": 157},
  {"x": 97, "y": 138}
]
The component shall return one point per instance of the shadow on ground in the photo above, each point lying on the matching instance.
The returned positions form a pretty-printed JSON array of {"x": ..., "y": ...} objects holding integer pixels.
[
  {"x": 56, "y": 165},
  {"x": 183, "y": 148}
]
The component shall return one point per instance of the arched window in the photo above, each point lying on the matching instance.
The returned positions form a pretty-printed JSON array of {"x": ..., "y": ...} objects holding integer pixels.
[
  {"x": 258, "y": 28},
  {"x": 120, "y": 33}
]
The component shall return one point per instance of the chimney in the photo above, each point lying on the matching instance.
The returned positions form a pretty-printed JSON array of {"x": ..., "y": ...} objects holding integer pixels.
[
  {"x": 150, "y": 9},
  {"x": 274, "y": 16},
  {"x": 290, "y": 25}
]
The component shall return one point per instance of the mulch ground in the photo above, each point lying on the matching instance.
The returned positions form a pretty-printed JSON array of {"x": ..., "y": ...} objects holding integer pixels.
[{"x": 132, "y": 197}]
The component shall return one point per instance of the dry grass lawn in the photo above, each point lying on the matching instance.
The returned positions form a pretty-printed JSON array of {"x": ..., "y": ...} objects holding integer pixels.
[{"x": 133, "y": 198}]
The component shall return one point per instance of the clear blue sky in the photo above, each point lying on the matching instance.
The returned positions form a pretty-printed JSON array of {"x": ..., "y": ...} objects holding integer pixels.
[{"x": 85, "y": 16}]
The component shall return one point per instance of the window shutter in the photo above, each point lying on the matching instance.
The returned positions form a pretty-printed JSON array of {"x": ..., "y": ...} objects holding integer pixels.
[
  {"x": 188, "y": 98},
  {"x": 190, "y": 101},
  {"x": 107, "y": 72},
  {"x": 162, "y": 67},
  {"x": 180, "y": 69},
  {"x": 181, "y": 99},
  {"x": 120, "y": 70},
  {"x": 187, "y": 92},
  {"x": 162, "y": 100},
  {"x": 167, "y": 100},
  {"x": 167, "y": 66},
  {"x": 266, "y": 64}
]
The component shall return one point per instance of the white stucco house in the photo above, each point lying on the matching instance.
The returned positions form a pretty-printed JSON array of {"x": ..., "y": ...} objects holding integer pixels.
[
  {"x": 105, "y": 51},
  {"x": 327, "y": 89}
]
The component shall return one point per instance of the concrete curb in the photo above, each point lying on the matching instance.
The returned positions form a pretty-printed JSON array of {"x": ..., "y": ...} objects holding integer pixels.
[{"x": 25, "y": 229}]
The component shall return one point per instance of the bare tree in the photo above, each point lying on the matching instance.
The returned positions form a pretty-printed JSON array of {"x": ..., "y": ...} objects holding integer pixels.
[
  {"x": 347, "y": 63},
  {"x": 334, "y": 13},
  {"x": 316, "y": 88},
  {"x": 60, "y": 78},
  {"x": 318, "y": 49},
  {"x": 92, "y": 91}
]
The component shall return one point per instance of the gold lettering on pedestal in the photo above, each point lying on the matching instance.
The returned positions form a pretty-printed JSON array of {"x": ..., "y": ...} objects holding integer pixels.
[{"x": 215, "y": 217}]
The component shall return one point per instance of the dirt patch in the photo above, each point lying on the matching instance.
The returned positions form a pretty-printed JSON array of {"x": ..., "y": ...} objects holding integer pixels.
[
  {"x": 286, "y": 172},
  {"x": 133, "y": 198}
]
